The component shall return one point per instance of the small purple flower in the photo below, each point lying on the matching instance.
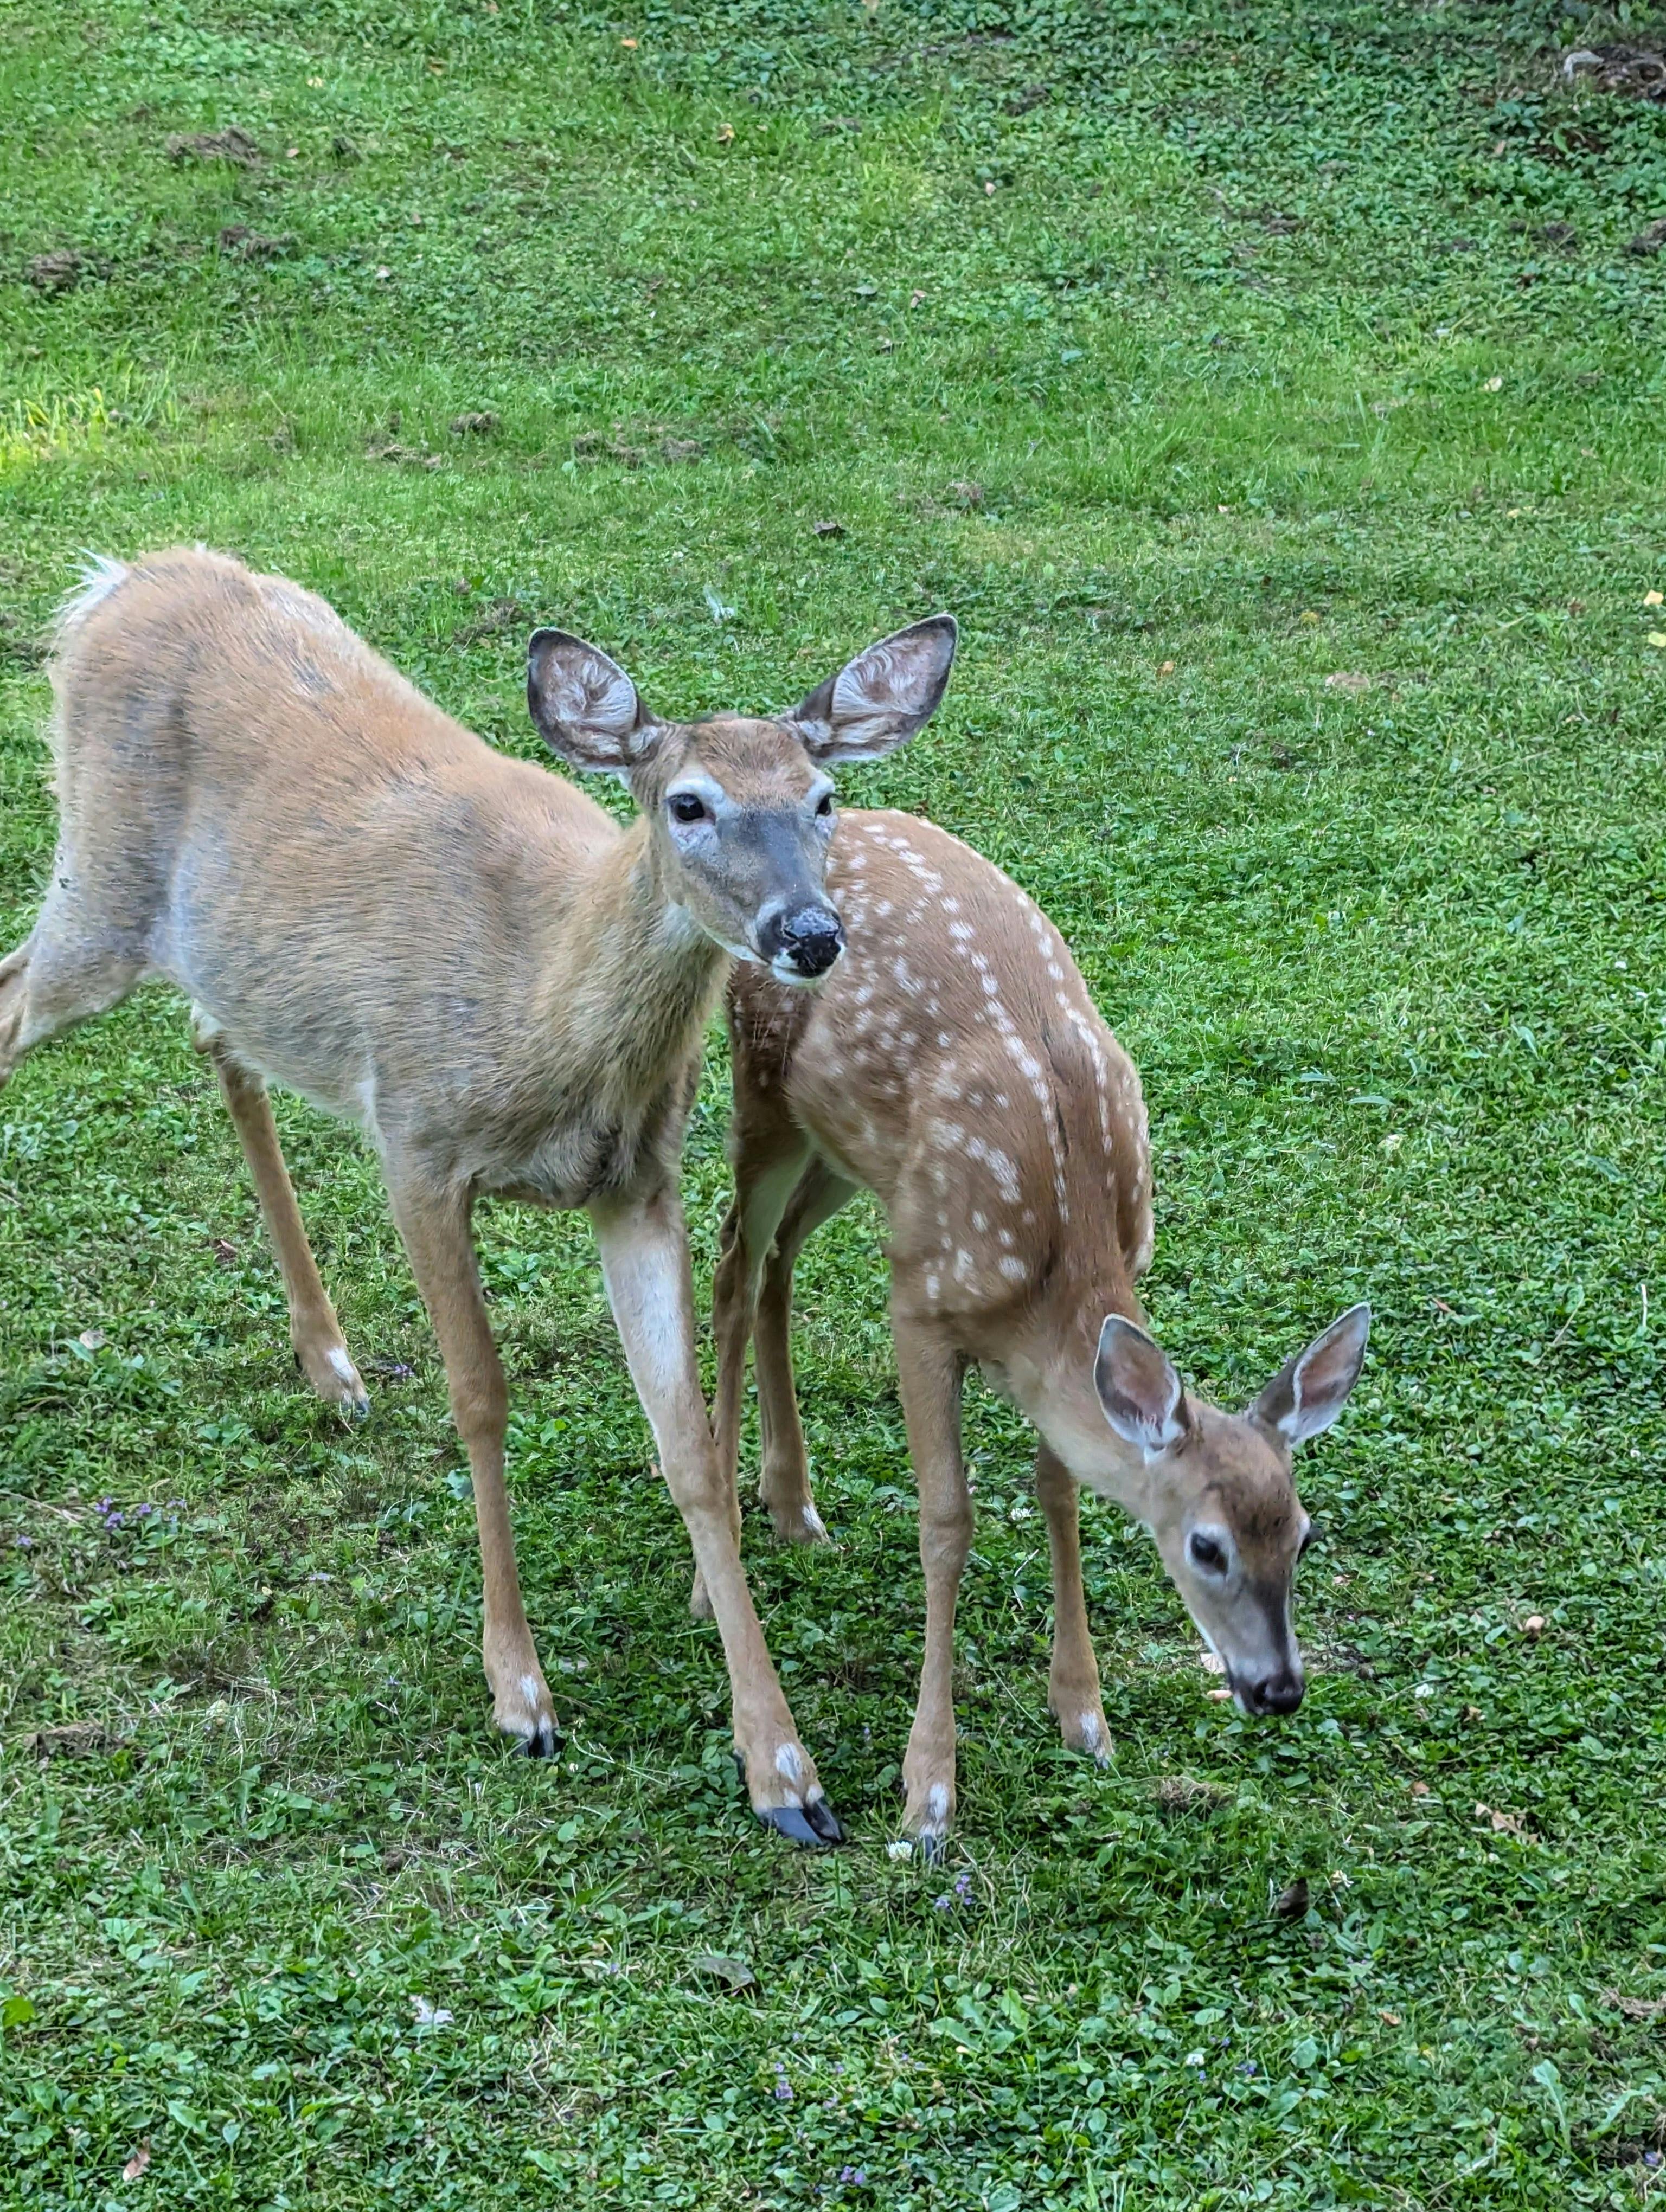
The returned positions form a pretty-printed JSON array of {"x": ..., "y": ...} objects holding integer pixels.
[
  {"x": 783, "y": 2086},
  {"x": 143, "y": 1512},
  {"x": 24, "y": 1543},
  {"x": 944, "y": 1902},
  {"x": 1248, "y": 2069},
  {"x": 1651, "y": 2158},
  {"x": 962, "y": 1885},
  {"x": 853, "y": 2176}
]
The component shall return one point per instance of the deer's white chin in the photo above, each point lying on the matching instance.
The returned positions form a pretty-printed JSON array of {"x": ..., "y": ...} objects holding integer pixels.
[{"x": 783, "y": 971}]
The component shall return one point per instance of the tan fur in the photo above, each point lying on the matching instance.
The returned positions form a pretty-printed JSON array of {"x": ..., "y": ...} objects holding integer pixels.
[
  {"x": 955, "y": 1065},
  {"x": 459, "y": 952}
]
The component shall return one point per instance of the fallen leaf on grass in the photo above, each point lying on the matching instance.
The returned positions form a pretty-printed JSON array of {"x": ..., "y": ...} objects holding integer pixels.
[
  {"x": 1635, "y": 2008},
  {"x": 239, "y": 243},
  {"x": 1502, "y": 1823},
  {"x": 1654, "y": 598},
  {"x": 56, "y": 272},
  {"x": 1347, "y": 679},
  {"x": 92, "y": 1339},
  {"x": 1420, "y": 1789},
  {"x": 425, "y": 2014},
  {"x": 73, "y": 1740},
  {"x": 224, "y": 1251},
  {"x": 827, "y": 529},
  {"x": 1178, "y": 1794},
  {"x": 1534, "y": 1624},
  {"x": 726, "y": 133},
  {"x": 735, "y": 1974},
  {"x": 1291, "y": 1904},
  {"x": 479, "y": 424},
  {"x": 1392, "y": 2018},
  {"x": 137, "y": 2164},
  {"x": 1493, "y": 384}
]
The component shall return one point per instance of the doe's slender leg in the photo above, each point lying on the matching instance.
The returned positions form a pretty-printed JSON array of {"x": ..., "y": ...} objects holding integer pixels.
[
  {"x": 319, "y": 1346},
  {"x": 645, "y": 1265},
  {"x": 434, "y": 1220}
]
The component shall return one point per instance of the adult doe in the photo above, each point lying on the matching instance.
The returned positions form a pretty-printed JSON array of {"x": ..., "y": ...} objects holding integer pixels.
[
  {"x": 957, "y": 1065},
  {"x": 464, "y": 954}
]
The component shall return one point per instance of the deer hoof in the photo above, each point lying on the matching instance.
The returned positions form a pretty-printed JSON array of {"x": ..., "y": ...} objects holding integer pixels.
[
  {"x": 799, "y": 1525},
  {"x": 1086, "y": 1731},
  {"x": 813, "y": 1828},
  {"x": 699, "y": 1604},
  {"x": 543, "y": 1742}
]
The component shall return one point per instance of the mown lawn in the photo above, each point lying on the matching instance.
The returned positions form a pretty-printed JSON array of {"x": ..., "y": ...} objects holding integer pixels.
[{"x": 1274, "y": 397}]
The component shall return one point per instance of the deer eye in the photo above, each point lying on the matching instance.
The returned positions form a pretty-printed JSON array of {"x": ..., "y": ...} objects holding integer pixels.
[
  {"x": 825, "y": 805},
  {"x": 1208, "y": 1557},
  {"x": 686, "y": 807},
  {"x": 1307, "y": 1543}
]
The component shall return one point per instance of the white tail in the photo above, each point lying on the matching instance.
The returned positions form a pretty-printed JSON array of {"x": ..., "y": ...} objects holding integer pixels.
[
  {"x": 464, "y": 954},
  {"x": 957, "y": 1065},
  {"x": 100, "y": 576}
]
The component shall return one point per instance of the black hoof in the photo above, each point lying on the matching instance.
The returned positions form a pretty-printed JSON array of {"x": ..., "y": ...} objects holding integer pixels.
[
  {"x": 823, "y": 1819},
  {"x": 812, "y": 1829},
  {"x": 932, "y": 1848},
  {"x": 544, "y": 1742}
]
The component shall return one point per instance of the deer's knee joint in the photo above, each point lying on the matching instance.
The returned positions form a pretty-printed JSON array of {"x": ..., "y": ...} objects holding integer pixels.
[
  {"x": 945, "y": 1529},
  {"x": 480, "y": 1406}
]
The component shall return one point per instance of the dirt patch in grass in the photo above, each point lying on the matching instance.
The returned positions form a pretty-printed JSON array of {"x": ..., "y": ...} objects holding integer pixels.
[{"x": 231, "y": 145}]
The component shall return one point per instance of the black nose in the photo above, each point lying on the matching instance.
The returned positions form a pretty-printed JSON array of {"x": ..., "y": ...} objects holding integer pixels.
[
  {"x": 810, "y": 940},
  {"x": 1280, "y": 1693}
]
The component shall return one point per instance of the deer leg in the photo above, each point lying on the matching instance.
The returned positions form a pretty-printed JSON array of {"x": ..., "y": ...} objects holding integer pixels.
[
  {"x": 784, "y": 1480},
  {"x": 321, "y": 1349},
  {"x": 930, "y": 1373},
  {"x": 433, "y": 1221},
  {"x": 56, "y": 978},
  {"x": 767, "y": 1165},
  {"x": 1073, "y": 1688},
  {"x": 645, "y": 1265}
]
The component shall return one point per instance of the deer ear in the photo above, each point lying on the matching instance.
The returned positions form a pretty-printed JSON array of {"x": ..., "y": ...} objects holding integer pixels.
[
  {"x": 1139, "y": 1386},
  {"x": 877, "y": 701},
  {"x": 586, "y": 707},
  {"x": 1307, "y": 1395}
]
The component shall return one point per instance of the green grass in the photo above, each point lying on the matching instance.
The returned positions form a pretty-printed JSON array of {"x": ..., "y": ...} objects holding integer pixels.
[{"x": 1253, "y": 369}]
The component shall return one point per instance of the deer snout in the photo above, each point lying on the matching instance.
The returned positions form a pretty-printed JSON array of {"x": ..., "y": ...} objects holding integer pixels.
[
  {"x": 1278, "y": 1693},
  {"x": 802, "y": 945}
]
